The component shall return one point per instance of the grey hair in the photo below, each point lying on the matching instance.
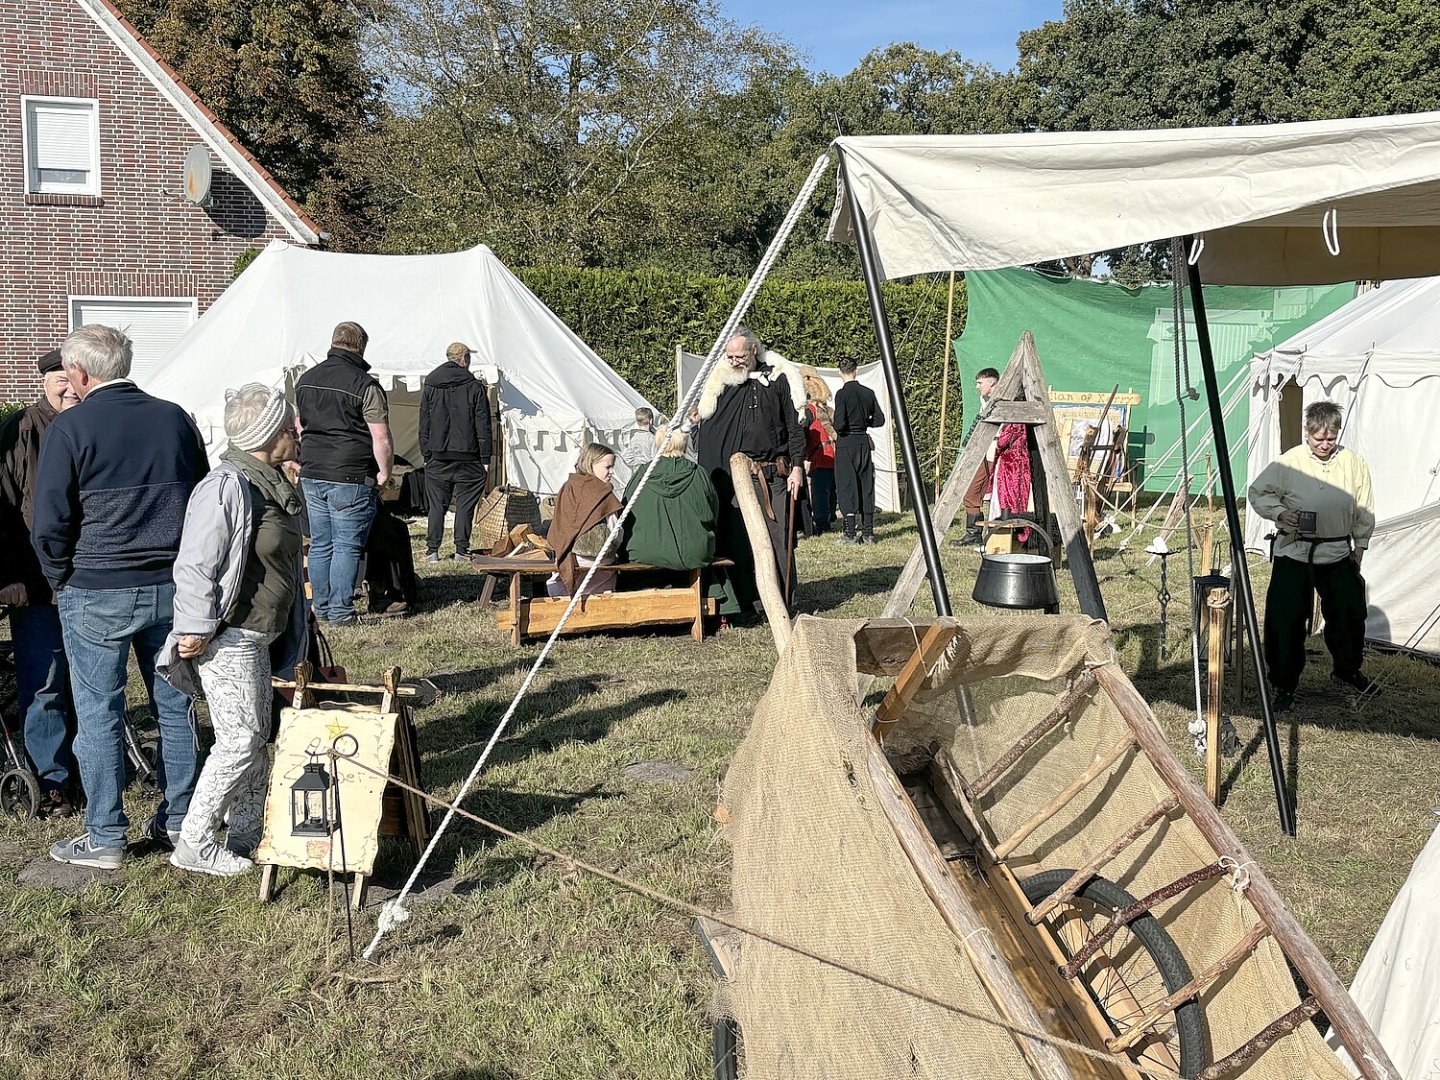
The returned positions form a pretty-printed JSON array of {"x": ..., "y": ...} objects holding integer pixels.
[
  {"x": 752, "y": 341},
  {"x": 104, "y": 352},
  {"x": 243, "y": 406},
  {"x": 1323, "y": 416}
]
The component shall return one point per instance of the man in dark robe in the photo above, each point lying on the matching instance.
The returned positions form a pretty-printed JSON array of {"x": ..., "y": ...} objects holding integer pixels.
[{"x": 750, "y": 407}]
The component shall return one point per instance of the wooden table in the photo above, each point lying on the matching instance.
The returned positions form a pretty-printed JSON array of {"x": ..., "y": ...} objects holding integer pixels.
[{"x": 524, "y": 616}]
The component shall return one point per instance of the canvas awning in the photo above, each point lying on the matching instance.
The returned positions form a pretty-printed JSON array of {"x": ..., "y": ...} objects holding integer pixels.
[{"x": 1257, "y": 195}]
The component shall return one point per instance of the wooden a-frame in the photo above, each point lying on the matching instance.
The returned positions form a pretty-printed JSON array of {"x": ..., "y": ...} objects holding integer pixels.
[{"x": 1020, "y": 397}]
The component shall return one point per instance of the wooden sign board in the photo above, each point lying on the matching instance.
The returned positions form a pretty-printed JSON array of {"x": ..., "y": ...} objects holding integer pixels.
[
  {"x": 1077, "y": 414},
  {"x": 308, "y": 732}
]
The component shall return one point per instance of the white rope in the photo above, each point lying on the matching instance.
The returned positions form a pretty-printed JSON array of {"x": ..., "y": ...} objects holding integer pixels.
[{"x": 394, "y": 913}]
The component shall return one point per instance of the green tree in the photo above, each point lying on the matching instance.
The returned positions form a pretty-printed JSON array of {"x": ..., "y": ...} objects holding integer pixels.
[
  {"x": 288, "y": 77},
  {"x": 562, "y": 131}
]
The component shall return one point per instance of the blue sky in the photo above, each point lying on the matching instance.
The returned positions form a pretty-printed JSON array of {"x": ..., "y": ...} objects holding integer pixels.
[{"x": 837, "y": 33}]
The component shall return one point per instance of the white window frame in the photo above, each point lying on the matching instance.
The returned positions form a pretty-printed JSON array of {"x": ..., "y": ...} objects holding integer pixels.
[
  {"x": 192, "y": 301},
  {"x": 32, "y": 181}
]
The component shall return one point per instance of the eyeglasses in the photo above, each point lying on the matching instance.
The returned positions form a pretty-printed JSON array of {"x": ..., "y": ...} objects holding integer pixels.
[{"x": 743, "y": 359}]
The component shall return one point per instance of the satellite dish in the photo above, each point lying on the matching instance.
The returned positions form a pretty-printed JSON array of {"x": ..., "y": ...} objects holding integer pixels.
[{"x": 197, "y": 176}]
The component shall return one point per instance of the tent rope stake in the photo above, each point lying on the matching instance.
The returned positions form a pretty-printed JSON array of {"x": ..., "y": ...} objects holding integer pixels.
[{"x": 394, "y": 912}]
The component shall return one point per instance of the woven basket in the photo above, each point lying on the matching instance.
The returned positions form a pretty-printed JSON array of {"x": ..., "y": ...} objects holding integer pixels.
[{"x": 501, "y": 511}]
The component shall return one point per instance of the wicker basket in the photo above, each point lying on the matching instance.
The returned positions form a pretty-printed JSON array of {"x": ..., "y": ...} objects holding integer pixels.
[{"x": 501, "y": 511}]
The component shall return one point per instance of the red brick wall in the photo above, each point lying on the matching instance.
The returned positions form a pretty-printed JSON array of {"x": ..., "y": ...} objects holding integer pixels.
[{"x": 139, "y": 238}]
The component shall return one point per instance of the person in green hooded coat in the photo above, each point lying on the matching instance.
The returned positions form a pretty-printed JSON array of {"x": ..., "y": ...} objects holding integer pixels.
[{"x": 672, "y": 525}]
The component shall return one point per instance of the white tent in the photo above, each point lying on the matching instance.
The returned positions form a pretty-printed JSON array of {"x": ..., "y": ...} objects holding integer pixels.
[
  {"x": 887, "y": 476},
  {"x": 1379, "y": 358},
  {"x": 555, "y": 393}
]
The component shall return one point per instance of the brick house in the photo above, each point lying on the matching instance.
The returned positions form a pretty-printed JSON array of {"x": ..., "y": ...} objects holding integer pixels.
[{"x": 94, "y": 130}]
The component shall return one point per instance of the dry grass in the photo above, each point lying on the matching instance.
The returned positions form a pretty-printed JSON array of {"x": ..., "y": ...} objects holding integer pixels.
[{"x": 518, "y": 967}]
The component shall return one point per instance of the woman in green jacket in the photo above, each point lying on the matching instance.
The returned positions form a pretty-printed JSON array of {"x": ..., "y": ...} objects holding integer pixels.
[{"x": 672, "y": 526}]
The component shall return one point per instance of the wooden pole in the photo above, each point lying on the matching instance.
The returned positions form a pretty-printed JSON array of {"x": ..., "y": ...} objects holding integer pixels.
[
  {"x": 960, "y": 915},
  {"x": 945, "y": 377},
  {"x": 767, "y": 575},
  {"x": 1364, "y": 1047},
  {"x": 1216, "y": 603}
]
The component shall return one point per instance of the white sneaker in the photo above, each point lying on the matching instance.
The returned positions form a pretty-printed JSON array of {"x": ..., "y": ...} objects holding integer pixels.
[{"x": 212, "y": 858}]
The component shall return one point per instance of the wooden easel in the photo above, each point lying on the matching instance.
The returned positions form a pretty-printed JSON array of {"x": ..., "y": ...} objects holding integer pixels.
[
  {"x": 1020, "y": 397},
  {"x": 402, "y": 811}
]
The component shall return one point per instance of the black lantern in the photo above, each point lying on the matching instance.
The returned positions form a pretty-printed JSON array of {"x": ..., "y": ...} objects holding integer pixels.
[{"x": 310, "y": 802}]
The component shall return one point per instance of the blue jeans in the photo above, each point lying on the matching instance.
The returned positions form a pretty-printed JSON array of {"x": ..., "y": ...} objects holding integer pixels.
[
  {"x": 101, "y": 626},
  {"x": 340, "y": 518},
  {"x": 43, "y": 684}
]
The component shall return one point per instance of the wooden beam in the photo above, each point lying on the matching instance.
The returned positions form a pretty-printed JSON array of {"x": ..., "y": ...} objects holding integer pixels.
[
  {"x": 960, "y": 915},
  {"x": 911, "y": 680},
  {"x": 1019, "y": 412},
  {"x": 609, "y": 611},
  {"x": 1216, "y": 603},
  {"x": 767, "y": 575},
  {"x": 1365, "y": 1049},
  {"x": 1055, "y": 805}
]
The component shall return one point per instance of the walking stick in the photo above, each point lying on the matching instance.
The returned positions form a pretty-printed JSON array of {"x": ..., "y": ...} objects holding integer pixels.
[{"x": 789, "y": 545}]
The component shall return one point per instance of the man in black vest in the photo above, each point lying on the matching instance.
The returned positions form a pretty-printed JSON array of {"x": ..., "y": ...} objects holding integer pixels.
[
  {"x": 346, "y": 455},
  {"x": 455, "y": 439}
]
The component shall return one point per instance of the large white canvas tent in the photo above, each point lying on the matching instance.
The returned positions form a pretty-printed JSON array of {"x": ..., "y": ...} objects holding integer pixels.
[
  {"x": 1379, "y": 358},
  {"x": 887, "y": 476},
  {"x": 275, "y": 320}
]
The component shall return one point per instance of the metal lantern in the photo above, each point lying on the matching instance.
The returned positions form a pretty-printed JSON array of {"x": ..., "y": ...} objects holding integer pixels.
[{"x": 310, "y": 802}]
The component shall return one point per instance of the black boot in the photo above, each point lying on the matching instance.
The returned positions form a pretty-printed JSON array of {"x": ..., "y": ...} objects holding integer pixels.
[
  {"x": 849, "y": 537},
  {"x": 973, "y": 535}
]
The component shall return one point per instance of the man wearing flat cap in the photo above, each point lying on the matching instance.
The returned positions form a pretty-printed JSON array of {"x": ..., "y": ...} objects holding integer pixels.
[
  {"x": 41, "y": 673},
  {"x": 455, "y": 439}
]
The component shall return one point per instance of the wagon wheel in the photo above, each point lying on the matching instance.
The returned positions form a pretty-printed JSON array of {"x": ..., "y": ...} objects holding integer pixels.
[
  {"x": 19, "y": 794},
  {"x": 1133, "y": 972}
]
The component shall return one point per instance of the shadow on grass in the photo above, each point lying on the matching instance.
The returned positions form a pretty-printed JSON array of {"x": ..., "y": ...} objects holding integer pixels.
[
  {"x": 547, "y": 720},
  {"x": 828, "y": 593},
  {"x": 482, "y": 1072}
]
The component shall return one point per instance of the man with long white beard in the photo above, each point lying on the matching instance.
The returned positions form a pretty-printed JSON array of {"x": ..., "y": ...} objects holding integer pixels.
[{"x": 751, "y": 406}]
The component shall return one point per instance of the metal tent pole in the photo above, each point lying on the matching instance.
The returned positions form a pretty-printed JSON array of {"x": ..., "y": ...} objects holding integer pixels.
[
  {"x": 1232, "y": 519},
  {"x": 866, "y": 247}
]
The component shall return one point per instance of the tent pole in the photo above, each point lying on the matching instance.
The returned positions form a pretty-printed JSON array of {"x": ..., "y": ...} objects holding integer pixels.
[
  {"x": 945, "y": 378},
  {"x": 1241, "y": 569},
  {"x": 897, "y": 398}
]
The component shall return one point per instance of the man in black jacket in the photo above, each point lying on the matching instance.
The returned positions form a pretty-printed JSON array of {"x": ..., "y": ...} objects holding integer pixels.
[
  {"x": 42, "y": 676},
  {"x": 750, "y": 407},
  {"x": 346, "y": 455},
  {"x": 114, "y": 478},
  {"x": 455, "y": 439}
]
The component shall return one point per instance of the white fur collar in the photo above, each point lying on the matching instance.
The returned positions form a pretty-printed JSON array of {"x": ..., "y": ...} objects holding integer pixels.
[{"x": 772, "y": 364}]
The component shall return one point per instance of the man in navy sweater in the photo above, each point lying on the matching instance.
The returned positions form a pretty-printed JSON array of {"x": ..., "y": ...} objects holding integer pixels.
[{"x": 114, "y": 477}]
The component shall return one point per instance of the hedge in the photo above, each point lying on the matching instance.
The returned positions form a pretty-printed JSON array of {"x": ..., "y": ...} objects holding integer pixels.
[{"x": 634, "y": 320}]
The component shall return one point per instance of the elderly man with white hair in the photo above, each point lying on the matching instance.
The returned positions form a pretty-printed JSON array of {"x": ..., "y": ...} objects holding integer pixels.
[
  {"x": 239, "y": 608},
  {"x": 114, "y": 475}
]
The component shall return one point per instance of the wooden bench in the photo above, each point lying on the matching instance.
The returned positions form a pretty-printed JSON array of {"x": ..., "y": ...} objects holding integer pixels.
[{"x": 525, "y": 616}]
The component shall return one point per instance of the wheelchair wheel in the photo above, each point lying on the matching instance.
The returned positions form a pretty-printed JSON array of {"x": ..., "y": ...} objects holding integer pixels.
[{"x": 19, "y": 794}]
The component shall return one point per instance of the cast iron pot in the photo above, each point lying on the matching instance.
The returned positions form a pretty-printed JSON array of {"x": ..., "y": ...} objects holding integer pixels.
[{"x": 1022, "y": 581}]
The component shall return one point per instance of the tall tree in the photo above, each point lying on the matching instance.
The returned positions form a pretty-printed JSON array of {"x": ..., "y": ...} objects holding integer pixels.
[
  {"x": 288, "y": 77},
  {"x": 561, "y": 130}
]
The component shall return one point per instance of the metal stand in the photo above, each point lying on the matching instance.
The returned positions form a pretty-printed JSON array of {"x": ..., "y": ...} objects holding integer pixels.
[
  {"x": 866, "y": 247},
  {"x": 1241, "y": 571},
  {"x": 1161, "y": 549}
]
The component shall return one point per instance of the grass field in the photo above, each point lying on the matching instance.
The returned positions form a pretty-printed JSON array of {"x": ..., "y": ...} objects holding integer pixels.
[{"x": 516, "y": 966}]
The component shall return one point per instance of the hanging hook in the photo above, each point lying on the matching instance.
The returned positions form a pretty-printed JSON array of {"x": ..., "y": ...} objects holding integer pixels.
[
  {"x": 1197, "y": 245},
  {"x": 1330, "y": 230}
]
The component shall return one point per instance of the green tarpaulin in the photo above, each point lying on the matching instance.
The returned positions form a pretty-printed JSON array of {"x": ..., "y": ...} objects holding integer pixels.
[{"x": 1092, "y": 335}]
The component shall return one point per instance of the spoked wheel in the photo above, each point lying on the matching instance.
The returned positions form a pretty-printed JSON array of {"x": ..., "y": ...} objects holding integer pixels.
[
  {"x": 727, "y": 1049},
  {"x": 19, "y": 794},
  {"x": 1132, "y": 973}
]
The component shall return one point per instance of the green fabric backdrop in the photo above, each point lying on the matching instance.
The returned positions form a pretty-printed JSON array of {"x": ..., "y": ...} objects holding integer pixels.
[{"x": 1092, "y": 335}]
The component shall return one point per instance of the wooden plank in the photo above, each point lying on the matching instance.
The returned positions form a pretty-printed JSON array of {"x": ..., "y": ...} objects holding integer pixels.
[
  {"x": 1055, "y": 805},
  {"x": 931, "y": 647},
  {"x": 610, "y": 611},
  {"x": 1019, "y": 412},
  {"x": 994, "y": 974},
  {"x": 517, "y": 603},
  {"x": 1360, "y": 1041},
  {"x": 698, "y": 605},
  {"x": 949, "y": 787}
]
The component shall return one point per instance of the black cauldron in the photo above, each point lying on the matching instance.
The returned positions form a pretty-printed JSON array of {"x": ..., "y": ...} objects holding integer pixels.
[{"x": 1021, "y": 581}]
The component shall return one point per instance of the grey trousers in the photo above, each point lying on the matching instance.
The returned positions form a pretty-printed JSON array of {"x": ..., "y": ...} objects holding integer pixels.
[{"x": 235, "y": 672}]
